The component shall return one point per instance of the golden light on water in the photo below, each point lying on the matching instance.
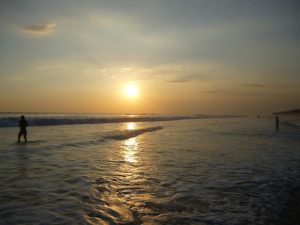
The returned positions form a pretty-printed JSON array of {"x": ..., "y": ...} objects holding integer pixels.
[
  {"x": 131, "y": 126},
  {"x": 130, "y": 147}
]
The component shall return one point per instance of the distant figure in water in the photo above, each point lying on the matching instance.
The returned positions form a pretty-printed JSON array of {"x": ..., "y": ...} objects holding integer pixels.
[
  {"x": 22, "y": 124},
  {"x": 277, "y": 122}
]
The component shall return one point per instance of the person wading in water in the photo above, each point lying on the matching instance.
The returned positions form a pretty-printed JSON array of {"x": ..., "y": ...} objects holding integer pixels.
[{"x": 23, "y": 124}]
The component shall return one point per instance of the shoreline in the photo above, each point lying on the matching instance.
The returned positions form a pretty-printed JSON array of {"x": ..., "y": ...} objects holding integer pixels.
[{"x": 292, "y": 214}]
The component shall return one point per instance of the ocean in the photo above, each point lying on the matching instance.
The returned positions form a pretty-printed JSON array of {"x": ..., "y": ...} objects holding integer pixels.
[{"x": 147, "y": 169}]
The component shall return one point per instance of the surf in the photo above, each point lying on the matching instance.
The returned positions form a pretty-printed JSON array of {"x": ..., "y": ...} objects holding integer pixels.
[
  {"x": 126, "y": 134},
  {"x": 11, "y": 120}
]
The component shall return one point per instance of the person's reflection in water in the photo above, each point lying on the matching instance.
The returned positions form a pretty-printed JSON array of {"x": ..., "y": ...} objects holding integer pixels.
[
  {"x": 22, "y": 155},
  {"x": 277, "y": 122},
  {"x": 23, "y": 125}
]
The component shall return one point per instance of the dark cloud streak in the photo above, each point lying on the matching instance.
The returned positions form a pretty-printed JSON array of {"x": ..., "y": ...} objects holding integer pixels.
[
  {"x": 253, "y": 85},
  {"x": 179, "y": 80},
  {"x": 41, "y": 29}
]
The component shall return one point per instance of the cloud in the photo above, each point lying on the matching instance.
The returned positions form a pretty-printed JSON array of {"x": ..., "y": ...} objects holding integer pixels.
[
  {"x": 184, "y": 78},
  {"x": 253, "y": 85},
  {"x": 179, "y": 80},
  {"x": 40, "y": 29}
]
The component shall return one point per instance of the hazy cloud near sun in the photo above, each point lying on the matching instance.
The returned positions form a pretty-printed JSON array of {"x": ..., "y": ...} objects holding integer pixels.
[
  {"x": 253, "y": 85},
  {"x": 179, "y": 80},
  {"x": 40, "y": 29},
  {"x": 171, "y": 73}
]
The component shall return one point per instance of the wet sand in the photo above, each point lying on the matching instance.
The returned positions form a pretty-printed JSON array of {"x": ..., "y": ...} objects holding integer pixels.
[{"x": 292, "y": 216}]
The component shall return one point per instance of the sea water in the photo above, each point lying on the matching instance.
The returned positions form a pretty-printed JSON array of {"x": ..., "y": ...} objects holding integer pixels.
[{"x": 195, "y": 170}]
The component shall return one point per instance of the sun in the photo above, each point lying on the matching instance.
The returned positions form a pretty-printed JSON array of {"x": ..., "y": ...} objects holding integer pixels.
[{"x": 131, "y": 90}]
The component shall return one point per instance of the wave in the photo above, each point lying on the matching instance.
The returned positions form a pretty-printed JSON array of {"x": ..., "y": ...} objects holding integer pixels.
[
  {"x": 295, "y": 124},
  {"x": 126, "y": 134},
  {"x": 112, "y": 136},
  {"x": 42, "y": 120}
]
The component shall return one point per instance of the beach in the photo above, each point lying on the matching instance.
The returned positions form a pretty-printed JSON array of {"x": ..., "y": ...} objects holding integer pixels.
[{"x": 150, "y": 170}]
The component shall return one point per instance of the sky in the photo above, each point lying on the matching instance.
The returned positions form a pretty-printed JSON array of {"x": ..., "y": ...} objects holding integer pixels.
[{"x": 183, "y": 57}]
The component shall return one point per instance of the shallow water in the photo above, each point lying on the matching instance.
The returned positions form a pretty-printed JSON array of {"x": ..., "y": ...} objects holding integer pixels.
[{"x": 200, "y": 171}]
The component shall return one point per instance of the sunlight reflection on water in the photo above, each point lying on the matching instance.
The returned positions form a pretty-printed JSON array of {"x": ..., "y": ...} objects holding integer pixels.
[
  {"x": 130, "y": 146},
  {"x": 131, "y": 126},
  {"x": 130, "y": 149}
]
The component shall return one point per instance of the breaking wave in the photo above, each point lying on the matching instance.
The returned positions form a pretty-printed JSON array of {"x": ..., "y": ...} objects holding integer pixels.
[
  {"x": 126, "y": 134},
  {"x": 72, "y": 119}
]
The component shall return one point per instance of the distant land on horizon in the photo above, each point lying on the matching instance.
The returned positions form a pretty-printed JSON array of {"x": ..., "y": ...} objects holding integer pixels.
[{"x": 289, "y": 112}]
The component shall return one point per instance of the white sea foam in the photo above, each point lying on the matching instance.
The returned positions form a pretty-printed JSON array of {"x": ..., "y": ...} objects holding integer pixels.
[{"x": 126, "y": 134}]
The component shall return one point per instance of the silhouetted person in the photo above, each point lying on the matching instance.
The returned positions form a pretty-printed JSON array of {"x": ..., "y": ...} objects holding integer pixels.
[
  {"x": 22, "y": 124},
  {"x": 277, "y": 122}
]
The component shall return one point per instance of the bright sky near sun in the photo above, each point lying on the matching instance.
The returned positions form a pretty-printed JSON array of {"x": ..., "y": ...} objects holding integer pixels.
[
  {"x": 192, "y": 56},
  {"x": 131, "y": 90}
]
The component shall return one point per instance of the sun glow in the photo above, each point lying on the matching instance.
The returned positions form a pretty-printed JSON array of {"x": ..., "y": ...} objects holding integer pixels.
[{"x": 131, "y": 90}]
